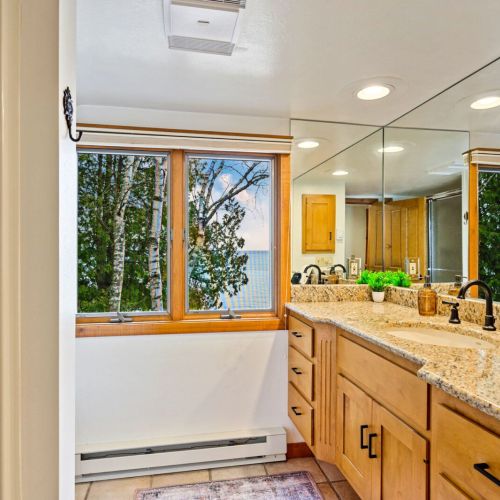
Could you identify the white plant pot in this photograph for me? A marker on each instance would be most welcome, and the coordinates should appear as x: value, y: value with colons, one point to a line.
x: 378, y: 296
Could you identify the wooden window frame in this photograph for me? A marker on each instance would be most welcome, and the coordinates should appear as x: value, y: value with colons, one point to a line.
x: 178, y: 320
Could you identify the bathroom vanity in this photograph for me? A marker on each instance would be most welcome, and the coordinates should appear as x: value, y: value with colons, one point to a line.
x: 399, y: 417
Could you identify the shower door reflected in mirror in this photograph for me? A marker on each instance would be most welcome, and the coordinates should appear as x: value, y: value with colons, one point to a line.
x: 445, y: 236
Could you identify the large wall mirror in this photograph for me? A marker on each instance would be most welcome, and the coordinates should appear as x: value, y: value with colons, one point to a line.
x: 336, y: 197
x: 421, y: 194
x: 444, y: 158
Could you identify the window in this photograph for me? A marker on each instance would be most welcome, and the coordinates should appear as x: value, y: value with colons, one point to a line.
x: 230, y: 246
x: 175, y: 239
x: 122, y: 232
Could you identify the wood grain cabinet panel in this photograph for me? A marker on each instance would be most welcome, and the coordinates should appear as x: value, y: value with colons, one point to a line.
x: 354, y: 416
x: 318, y: 223
x: 401, y: 463
x: 446, y: 490
x: 301, y: 414
x: 301, y: 373
x: 311, y: 374
x: 301, y: 336
x: 398, y: 389
x: 460, y: 446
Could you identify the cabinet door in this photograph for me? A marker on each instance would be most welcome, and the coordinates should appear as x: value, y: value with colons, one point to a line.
x: 318, y: 223
x: 354, y: 415
x: 401, y: 466
x: 374, y: 244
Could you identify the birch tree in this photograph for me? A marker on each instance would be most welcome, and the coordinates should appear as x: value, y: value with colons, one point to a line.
x: 154, y: 260
x: 127, y: 170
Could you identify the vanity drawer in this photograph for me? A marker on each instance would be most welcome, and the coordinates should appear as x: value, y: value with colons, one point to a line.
x: 446, y: 490
x: 398, y: 389
x: 301, y: 336
x: 300, y: 372
x: 301, y: 413
x: 461, y: 444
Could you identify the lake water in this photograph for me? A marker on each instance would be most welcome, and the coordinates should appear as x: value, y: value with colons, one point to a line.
x: 257, y: 293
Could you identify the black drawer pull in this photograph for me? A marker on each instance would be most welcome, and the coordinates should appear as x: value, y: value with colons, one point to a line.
x: 294, y: 409
x: 296, y: 371
x: 297, y: 334
x: 481, y: 468
x: 370, y: 443
x: 362, y: 445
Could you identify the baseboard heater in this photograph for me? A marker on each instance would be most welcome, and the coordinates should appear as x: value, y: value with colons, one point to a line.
x: 95, y: 462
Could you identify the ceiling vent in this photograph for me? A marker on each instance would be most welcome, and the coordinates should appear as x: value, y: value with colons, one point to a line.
x: 209, y: 26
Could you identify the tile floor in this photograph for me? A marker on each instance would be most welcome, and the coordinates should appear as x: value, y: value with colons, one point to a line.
x: 331, y: 482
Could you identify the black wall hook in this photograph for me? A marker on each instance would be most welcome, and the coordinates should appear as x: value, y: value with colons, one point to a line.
x: 68, y: 114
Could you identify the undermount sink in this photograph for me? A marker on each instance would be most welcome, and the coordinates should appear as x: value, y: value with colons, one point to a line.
x: 433, y: 336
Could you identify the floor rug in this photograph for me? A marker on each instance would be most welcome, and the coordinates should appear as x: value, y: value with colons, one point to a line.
x: 289, y: 486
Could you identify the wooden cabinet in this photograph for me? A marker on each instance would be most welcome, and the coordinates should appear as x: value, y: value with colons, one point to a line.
x: 354, y: 415
x: 311, y: 388
x: 364, y: 409
x: 380, y: 455
x: 403, y: 224
x: 318, y: 223
x: 400, y: 467
x: 466, y: 453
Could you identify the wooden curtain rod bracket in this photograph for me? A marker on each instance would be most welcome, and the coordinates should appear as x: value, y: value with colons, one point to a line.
x: 68, y: 114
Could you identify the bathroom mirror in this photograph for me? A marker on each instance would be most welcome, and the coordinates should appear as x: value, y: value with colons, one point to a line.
x: 336, y: 196
x: 443, y: 161
x: 424, y: 179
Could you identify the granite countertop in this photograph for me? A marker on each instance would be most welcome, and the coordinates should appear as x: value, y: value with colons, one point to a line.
x: 469, y: 374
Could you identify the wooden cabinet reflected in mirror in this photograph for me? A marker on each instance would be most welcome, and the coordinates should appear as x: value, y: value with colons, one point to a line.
x: 318, y: 223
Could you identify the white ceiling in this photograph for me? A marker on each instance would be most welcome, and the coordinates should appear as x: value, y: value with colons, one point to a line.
x: 451, y: 109
x: 296, y: 58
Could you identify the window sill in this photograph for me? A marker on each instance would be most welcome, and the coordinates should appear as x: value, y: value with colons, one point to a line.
x: 178, y: 327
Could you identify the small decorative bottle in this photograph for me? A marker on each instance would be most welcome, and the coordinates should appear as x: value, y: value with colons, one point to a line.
x: 427, y: 299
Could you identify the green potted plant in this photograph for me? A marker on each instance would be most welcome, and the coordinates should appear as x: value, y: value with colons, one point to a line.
x: 378, y: 282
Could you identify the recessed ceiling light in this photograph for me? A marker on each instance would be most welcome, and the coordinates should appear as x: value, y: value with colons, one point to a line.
x: 491, y: 101
x: 373, y: 92
x: 308, y: 144
x: 340, y: 172
x: 391, y: 149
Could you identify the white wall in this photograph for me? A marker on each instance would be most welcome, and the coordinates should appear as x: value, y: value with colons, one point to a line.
x: 141, y: 387
x: 38, y: 252
x: 301, y: 186
x: 355, y: 234
x: 484, y: 140
x: 112, y: 115
x: 153, y: 386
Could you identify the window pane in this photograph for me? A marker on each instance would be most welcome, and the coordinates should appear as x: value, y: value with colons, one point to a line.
x: 230, y: 248
x: 489, y: 229
x: 122, y: 232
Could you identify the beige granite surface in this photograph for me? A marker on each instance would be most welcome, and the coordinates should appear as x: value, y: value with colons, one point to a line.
x: 472, y: 374
x: 470, y: 310
x: 329, y: 293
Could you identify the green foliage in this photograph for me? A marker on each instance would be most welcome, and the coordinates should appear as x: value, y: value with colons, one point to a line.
x: 99, y: 177
x: 378, y: 281
x: 363, y: 278
x: 489, y: 230
x: 399, y: 278
x: 216, y: 265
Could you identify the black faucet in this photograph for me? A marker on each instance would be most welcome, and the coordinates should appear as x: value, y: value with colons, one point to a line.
x: 489, y: 319
x: 332, y: 269
x: 320, y: 273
